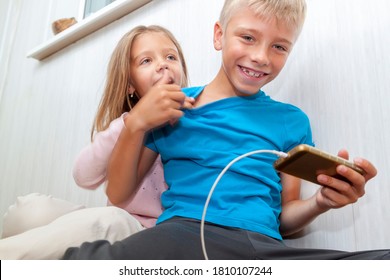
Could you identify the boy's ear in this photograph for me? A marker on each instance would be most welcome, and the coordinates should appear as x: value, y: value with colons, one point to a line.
x: 218, y: 32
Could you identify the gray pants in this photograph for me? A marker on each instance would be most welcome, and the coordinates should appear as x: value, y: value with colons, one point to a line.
x: 179, y: 239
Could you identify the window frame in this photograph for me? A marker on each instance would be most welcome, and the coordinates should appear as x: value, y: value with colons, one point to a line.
x: 84, y: 27
x: 85, y: 6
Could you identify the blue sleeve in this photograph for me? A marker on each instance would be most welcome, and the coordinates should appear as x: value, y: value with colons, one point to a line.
x: 297, y: 130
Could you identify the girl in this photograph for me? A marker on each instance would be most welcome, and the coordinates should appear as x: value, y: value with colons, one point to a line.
x: 160, y: 54
x: 56, y: 224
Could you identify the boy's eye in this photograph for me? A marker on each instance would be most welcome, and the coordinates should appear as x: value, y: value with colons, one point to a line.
x: 280, y: 48
x: 248, y: 38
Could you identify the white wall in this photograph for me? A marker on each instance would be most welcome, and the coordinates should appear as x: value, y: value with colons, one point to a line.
x: 337, y: 73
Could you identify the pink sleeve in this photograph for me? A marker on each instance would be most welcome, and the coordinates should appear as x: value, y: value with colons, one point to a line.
x: 145, y: 205
x: 89, y: 169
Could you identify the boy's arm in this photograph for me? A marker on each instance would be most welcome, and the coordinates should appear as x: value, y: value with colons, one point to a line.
x: 296, y: 213
x: 334, y: 193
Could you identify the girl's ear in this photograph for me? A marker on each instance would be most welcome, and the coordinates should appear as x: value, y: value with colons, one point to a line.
x: 218, y: 32
x: 130, y: 89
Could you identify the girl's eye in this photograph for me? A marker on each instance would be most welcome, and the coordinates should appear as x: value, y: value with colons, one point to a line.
x: 171, y: 57
x: 145, y: 61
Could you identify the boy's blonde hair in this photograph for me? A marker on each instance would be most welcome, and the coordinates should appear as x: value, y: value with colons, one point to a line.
x: 115, y: 100
x: 292, y: 12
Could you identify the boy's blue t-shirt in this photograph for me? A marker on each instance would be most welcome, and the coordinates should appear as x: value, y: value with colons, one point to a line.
x: 198, y: 147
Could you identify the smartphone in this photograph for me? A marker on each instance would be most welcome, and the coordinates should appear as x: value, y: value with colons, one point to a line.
x: 307, y: 162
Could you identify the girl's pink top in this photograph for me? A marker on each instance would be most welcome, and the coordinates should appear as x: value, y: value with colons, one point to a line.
x: 89, y: 171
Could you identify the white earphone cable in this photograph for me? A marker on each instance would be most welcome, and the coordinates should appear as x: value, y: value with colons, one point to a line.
x: 278, y: 153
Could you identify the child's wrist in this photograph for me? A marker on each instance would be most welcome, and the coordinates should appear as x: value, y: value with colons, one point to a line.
x: 133, y: 124
x: 319, y: 207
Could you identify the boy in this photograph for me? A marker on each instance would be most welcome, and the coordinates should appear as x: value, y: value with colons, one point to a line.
x: 231, y: 116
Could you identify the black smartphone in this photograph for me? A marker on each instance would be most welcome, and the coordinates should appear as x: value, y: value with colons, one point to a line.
x: 307, y: 162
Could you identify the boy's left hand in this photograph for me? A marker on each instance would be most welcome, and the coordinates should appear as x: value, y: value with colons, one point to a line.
x: 336, y: 193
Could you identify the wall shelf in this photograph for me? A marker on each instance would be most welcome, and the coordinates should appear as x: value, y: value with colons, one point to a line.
x: 103, y: 17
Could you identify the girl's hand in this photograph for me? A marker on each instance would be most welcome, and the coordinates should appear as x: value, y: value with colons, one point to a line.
x: 336, y: 193
x: 162, y: 104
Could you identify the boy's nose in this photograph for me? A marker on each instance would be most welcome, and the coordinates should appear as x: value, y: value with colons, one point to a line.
x: 260, y: 56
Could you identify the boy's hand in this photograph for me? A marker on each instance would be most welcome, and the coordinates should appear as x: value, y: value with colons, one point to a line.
x: 336, y: 193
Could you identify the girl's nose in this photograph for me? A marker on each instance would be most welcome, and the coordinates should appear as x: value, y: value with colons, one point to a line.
x: 162, y: 65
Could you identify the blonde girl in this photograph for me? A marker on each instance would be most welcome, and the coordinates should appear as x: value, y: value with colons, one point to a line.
x: 42, y: 227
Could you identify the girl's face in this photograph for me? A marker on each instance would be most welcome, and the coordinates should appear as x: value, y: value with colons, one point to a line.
x: 154, y: 60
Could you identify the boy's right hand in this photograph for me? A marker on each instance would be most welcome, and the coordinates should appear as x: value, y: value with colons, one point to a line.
x: 337, y: 193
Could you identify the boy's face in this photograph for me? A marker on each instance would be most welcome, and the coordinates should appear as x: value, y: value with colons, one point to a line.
x: 154, y: 60
x: 254, y: 49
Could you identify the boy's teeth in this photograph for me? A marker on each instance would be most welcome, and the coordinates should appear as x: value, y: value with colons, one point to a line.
x: 252, y: 73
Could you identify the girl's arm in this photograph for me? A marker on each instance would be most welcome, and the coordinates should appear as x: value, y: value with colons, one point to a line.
x: 90, y: 167
x: 334, y: 193
x: 130, y: 160
x: 129, y: 163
